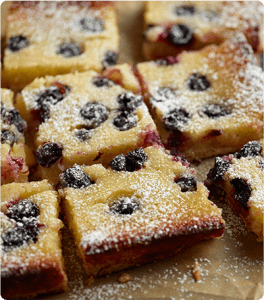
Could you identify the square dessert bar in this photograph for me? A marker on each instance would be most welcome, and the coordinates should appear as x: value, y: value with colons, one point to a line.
x: 207, y: 102
x: 241, y: 177
x: 83, y: 118
x: 32, y: 261
x: 147, y: 206
x: 13, y: 157
x: 59, y: 37
x: 174, y: 26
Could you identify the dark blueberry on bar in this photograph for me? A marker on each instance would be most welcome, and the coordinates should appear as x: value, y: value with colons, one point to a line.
x: 84, y: 134
x: 92, y: 24
x: 50, y: 96
x: 13, y: 117
x: 261, y: 61
x: 125, y: 120
x: 75, y: 177
x: 242, y: 190
x: 3, y: 113
x: 135, y: 159
x: 95, y: 113
x: 163, y: 94
x: 129, y: 101
x: 109, y: 59
x: 187, y: 183
x: 119, y: 163
x: 69, y: 50
x: 184, y: 10
x: 101, y: 81
x: 49, y: 153
x: 167, y: 61
x: 126, y: 206
x: 17, y: 42
x: 198, y: 82
x: 8, y: 137
x: 219, y: 169
x: 180, y: 35
x: 18, y: 236
x: 214, y: 111
x: 176, y: 119
x: 251, y: 149
x: 24, y: 209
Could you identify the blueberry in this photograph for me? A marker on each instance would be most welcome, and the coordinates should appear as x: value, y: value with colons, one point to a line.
x: 69, y: 50
x: 13, y: 117
x: 19, y: 236
x: 92, y: 24
x: 167, y: 61
x: 24, y: 209
x: 187, y: 183
x: 3, y: 113
x: 261, y: 60
x: 129, y: 101
x: 95, y: 113
x: 198, y: 82
x: 242, y: 190
x: 219, y: 169
x: 50, y: 96
x: 84, y: 134
x: 119, y: 163
x: 251, y: 149
x: 125, y: 120
x: 109, y: 59
x: 125, y: 206
x: 49, y: 153
x: 101, y: 81
x: 135, y: 159
x: 8, y: 137
x: 185, y: 10
x: 214, y: 111
x: 180, y: 35
x: 17, y: 42
x: 176, y: 119
x: 75, y: 177
x: 163, y: 94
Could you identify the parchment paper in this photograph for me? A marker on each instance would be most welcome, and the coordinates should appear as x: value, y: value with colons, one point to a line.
x: 231, y: 267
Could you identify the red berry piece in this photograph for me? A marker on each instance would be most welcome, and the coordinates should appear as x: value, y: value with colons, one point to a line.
x: 94, y: 113
x: 242, y: 191
x: 69, y: 50
x: 187, y: 183
x: 17, y: 43
x: 214, y: 111
x: 180, y: 35
x: 251, y: 149
x: 176, y: 119
x: 197, y: 82
x: 48, y: 154
x: 125, y: 206
x: 75, y: 177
